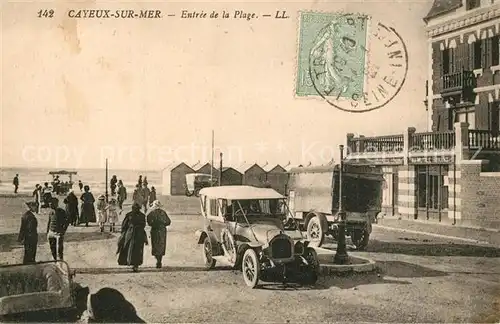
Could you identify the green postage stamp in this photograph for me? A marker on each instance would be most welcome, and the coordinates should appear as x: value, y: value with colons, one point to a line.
x: 352, y: 62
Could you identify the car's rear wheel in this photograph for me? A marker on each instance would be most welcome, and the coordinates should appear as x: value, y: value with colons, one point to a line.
x: 208, y: 258
x: 313, y: 266
x: 250, y: 268
x: 315, y: 232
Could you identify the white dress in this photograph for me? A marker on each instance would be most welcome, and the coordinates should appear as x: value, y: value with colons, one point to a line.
x: 101, y: 212
x: 112, y: 213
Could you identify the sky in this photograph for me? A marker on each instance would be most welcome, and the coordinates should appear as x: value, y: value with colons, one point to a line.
x: 148, y: 93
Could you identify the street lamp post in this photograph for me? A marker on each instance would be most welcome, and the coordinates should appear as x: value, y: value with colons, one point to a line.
x: 106, y: 180
x: 341, y: 256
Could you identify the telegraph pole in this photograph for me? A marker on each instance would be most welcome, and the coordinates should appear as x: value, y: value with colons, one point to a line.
x: 212, y: 164
x: 220, y: 170
x: 106, y: 180
x: 341, y: 256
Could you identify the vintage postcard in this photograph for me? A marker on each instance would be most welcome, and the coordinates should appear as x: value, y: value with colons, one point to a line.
x: 250, y: 161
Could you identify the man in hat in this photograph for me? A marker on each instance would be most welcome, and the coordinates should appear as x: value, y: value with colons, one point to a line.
x: 122, y: 194
x: 56, y: 228
x: 158, y: 220
x: 28, y: 234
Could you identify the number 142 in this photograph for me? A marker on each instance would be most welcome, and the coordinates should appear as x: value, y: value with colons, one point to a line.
x: 45, y: 13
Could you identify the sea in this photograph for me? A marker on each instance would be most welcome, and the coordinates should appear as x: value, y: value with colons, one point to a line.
x: 95, y: 178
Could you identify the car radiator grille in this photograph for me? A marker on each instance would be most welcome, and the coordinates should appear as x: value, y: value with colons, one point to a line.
x: 281, y: 248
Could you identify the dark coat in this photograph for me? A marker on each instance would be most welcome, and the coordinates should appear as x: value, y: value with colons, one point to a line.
x: 122, y: 193
x: 132, y: 239
x: 158, y: 220
x: 71, y: 202
x: 152, y: 196
x: 29, y: 228
x: 88, y: 210
x: 58, y: 221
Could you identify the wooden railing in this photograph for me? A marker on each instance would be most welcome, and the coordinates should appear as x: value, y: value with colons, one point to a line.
x: 389, y: 143
x: 458, y: 81
x: 432, y: 141
x: 483, y: 139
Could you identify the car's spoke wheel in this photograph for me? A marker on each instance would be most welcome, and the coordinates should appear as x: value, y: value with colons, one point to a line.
x: 208, y: 258
x: 251, y: 268
x: 229, y: 247
x: 360, y: 239
x: 315, y: 231
x: 313, y: 266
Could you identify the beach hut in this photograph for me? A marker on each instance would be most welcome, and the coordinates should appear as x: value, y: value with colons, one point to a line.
x: 231, y: 177
x: 206, y: 169
x: 253, y: 174
x: 165, y: 179
x: 178, y: 179
x: 277, y: 178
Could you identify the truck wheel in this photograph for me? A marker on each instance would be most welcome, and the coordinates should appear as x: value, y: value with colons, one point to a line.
x: 315, y: 232
x: 208, y: 258
x: 251, y: 268
x: 360, y: 239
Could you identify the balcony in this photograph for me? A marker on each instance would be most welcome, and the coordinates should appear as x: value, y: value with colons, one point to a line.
x: 422, y: 148
x: 459, y: 84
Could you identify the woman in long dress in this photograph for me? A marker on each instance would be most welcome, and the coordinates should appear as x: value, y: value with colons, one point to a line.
x: 132, y: 239
x: 71, y: 202
x: 158, y: 220
x: 88, y: 212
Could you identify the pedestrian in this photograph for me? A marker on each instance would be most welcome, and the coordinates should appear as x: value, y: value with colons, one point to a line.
x: 15, y: 182
x: 87, y: 213
x: 132, y: 239
x: 145, y: 197
x: 37, y: 198
x: 122, y: 194
x: 112, y: 185
x: 56, y: 228
x: 46, y: 195
x: 139, y: 182
x: 137, y: 195
x: 145, y: 181
x: 28, y: 233
x: 71, y: 202
x: 152, y: 195
x: 158, y: 220
x: 102, y: 213
x: 80, y: 185
x: 112, y: 214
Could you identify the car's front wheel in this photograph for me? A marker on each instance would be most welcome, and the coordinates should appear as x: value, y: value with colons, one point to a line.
x: 250, y: 268
x: 208, y: 258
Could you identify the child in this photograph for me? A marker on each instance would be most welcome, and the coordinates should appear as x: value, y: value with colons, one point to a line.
x: 112, y: 214
x: 101, y: 211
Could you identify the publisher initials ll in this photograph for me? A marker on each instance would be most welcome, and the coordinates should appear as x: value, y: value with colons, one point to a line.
x: 281, y: 15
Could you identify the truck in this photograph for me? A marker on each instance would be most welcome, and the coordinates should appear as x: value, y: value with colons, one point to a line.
x: 313, y: 200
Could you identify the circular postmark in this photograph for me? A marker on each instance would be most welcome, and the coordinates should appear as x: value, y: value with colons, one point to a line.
x: 357, y: 64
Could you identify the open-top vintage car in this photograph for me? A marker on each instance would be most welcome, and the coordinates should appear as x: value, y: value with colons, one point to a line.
x: 37, y: 290
x: 245, y: 226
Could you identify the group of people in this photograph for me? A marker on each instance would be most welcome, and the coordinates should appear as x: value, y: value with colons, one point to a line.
x: 133, y: 235
x: 143, y: 196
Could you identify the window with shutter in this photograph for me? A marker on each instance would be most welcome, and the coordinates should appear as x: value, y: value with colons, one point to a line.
x: 477, y: 54
x: 484, y: 53
x: 495, y: 118
x: 446, y: 61
x: 495, y: 50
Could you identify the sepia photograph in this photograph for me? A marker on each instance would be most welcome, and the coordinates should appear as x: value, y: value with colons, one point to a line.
x: 250, y: 161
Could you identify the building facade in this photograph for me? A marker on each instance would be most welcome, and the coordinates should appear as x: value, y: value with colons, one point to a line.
x: 451, y: 173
